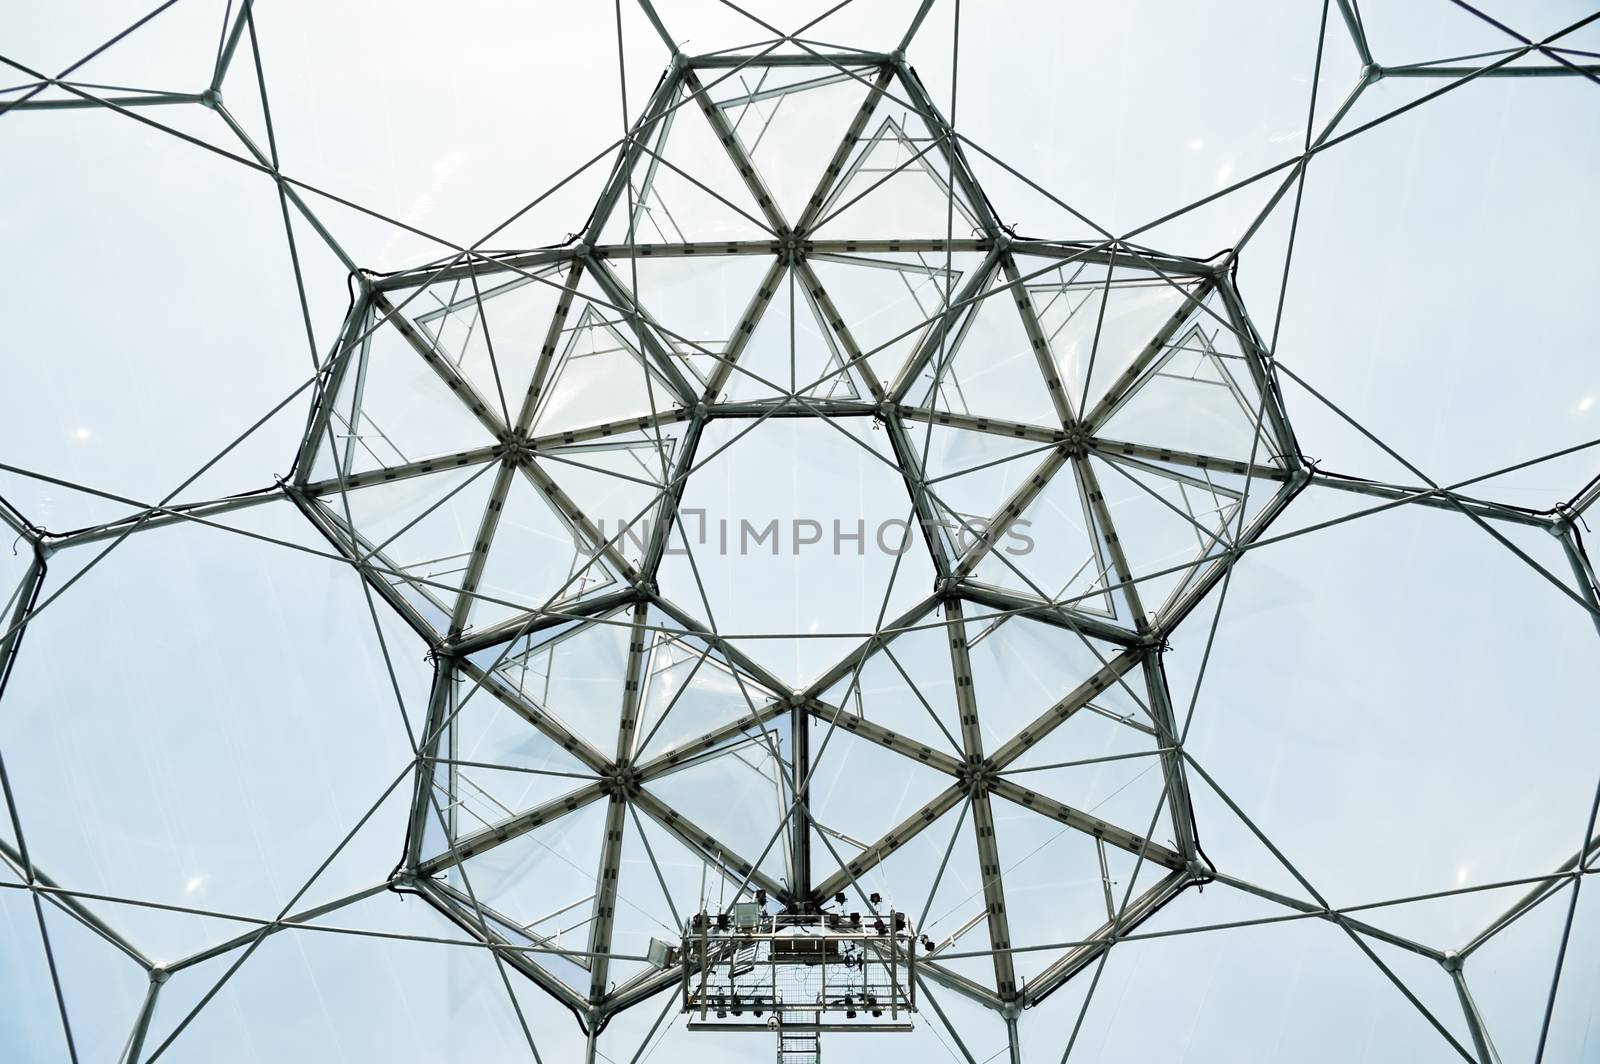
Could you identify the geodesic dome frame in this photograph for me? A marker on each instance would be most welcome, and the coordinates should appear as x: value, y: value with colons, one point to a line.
x: 480, y: 418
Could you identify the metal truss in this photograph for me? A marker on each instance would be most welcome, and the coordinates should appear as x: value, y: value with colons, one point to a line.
x: 558, y: 380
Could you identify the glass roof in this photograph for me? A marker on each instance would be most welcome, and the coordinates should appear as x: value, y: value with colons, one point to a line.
x: 490, y: 492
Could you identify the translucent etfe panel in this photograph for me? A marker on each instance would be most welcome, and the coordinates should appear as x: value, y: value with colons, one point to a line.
x: 738, y: 795
x: 685, y: 186
x: 538, y: 555
x: 790, y: 121
x: 661, y: 884
x: 1302, y: 990
x: 1057, y: 891
x: 690, y: 692
x: 395, y: 403
x: 948, y: 907
x: 1511, y: 974
x: 1408, y: 365
x: 907, y: 688
x: 790, y: 350
x: 491, y: 327
x: 364, y: 997
x: 602, y: 372
x: 988, y: 368
x: 101, y: 987
x: 1198, y: 395
x: 896, y: 183
x: 889, y: 302
x: 1172, y: 521
x: 969, y: 474
x: 697, y: 301
x: 1365, y: 680
x: 1104, y: 759
x: 203, y: 765
x: 543, y: 884
x: 860, y: 790
x: 497, y: 763
x: 1125, y: 166
x: 1022, y: 668
x: 574, y: 675
x: 419, y: 532
x: 1052, y: 551
x: 433, y: 154
x: 798, y: 534
x: 1099, y: 319
x: 206, y: 329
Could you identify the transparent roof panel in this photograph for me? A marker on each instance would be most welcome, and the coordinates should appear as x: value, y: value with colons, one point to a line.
x: 685, y: 529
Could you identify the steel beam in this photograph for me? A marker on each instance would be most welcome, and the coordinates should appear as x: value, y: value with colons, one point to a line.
x: 742, y: 162
x: 605, y: 547
x: 1042, y: 353
x: 463, y: 390
x: 830, y: 175
x: 1481, y: 1044
x: 1289, y: 902
x: 479, y: 558
x: 355, y: 547
x: 1006, y: 516
x: 834, y: 320
x: 441, y: 700
x: 950, y: 148
x: 1266, y: 382
x: 1066, y: 707
x: 548, y: 726
x: 1096, y: 500
x: 390, y: 474
x: 589, y: 606
x: 1006, y: 787
x: 1586, y: 70
x: 1179, y: 809
x: 873, y: 732
x: 716, y: 60
x: 644, y: 330
x: 488, y: 838
x: 880, y: 850
x: 933, y: 341
x: 353, y: 336
x: 710, y: 848
x: 605, y: 898
x: 1076, y: 960
x: 1192, y: 300
x: 660, y: 107
x: 1437, y: 498
x: 742, y: 331
x: 456, y: 910
x: 978, y: 783
x: 1119, y: 449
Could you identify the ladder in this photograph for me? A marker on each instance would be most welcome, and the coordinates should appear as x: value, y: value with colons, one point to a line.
x: 799, y: 1046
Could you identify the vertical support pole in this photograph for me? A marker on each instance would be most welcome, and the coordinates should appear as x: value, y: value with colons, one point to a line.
x: 800, y: 786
